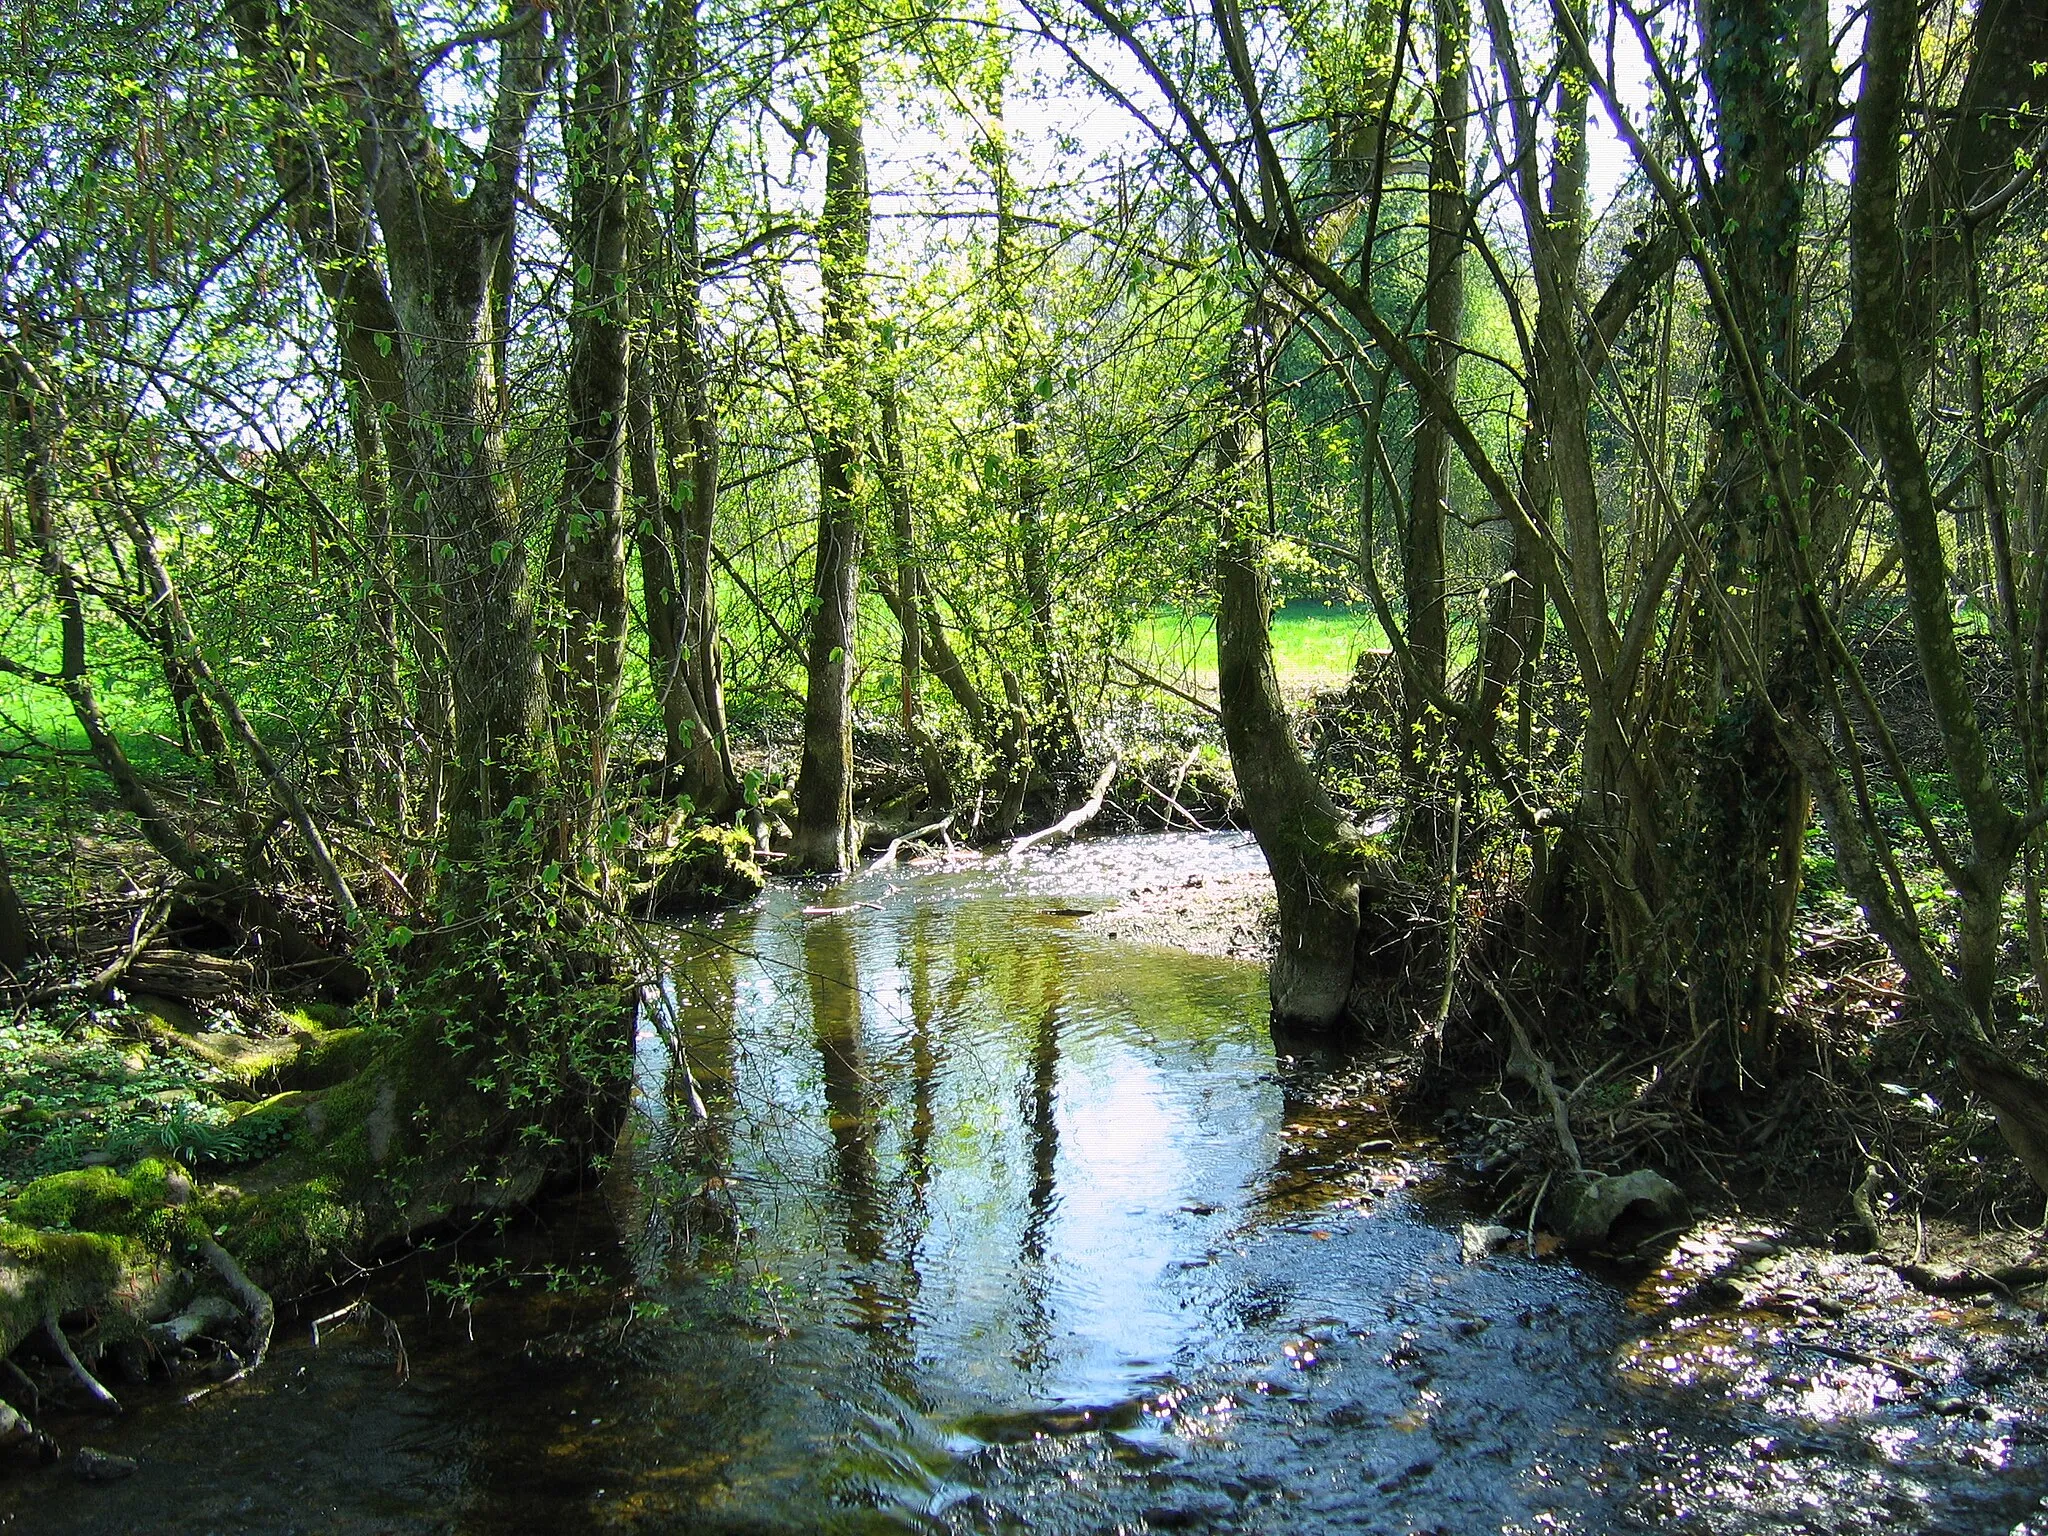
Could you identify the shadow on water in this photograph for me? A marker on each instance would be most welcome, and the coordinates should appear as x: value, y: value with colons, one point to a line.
x: 943, y: 1213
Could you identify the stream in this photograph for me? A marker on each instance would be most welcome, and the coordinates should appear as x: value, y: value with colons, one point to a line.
x: 1038, y: 1233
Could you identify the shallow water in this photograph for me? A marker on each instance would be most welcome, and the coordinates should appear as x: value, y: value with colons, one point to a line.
x: 996, y: 1224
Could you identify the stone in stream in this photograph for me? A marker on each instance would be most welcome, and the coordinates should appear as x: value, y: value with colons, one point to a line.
x: 16, y: 1433
x: 96, y: 1466
x: 1475, y: 1241
x: 1588, y: 1210
x: 1190, y: 1512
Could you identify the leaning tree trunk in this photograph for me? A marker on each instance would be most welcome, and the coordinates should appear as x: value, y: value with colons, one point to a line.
x: 1311, y: 852
x: 1961, y: 1002
x: 825, y: 833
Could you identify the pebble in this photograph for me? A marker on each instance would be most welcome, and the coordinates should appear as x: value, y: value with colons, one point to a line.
x: 96, y: 1466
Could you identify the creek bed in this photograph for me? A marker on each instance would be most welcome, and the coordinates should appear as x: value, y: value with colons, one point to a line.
x: 1038, y: 1233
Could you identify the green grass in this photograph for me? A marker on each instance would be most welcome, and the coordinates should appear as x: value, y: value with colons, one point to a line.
x: 1315, y: 645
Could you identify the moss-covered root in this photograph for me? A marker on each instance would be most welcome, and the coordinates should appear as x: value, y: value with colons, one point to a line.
x: 101, y: 1241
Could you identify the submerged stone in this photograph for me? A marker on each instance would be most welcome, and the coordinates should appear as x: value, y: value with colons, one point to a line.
x: 96, y: 1466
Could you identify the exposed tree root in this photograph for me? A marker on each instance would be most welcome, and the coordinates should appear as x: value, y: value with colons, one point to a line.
x: 35, y: 1396
x: 262, y: 1310
x: 86, y: 1378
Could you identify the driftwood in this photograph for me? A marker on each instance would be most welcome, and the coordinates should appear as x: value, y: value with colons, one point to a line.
x: 1075, y: 819
x: 1969, y: 1282
x: 887, y: 856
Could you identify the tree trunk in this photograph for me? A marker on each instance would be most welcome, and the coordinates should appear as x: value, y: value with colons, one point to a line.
x: 938, y: 782
x: 825, y: 833
x: 938, y: 653
x: 1747, y: 795
x: 1429, y: 488
x: 1056, y: 735
x: 1877, y: 284
x: 426, y: 332
x: 690, y: 760
x: 1309, y: 849
x: 702, y: 759
x: 17, y: 941
x: 590, y: 536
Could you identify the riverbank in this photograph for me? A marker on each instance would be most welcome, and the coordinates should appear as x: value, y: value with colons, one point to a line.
x: 939, y: 1210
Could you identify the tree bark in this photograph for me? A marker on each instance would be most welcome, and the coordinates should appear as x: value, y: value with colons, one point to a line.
x: 1429, y: 483
x: 426, y: 332
x: 17, y: 939
x: 824, y: 831
x: 590, y: 537
x: 1877, y: 290
x: 909, y: 604
x: 1310, y: 850
x: 701, y: 758
x: 1056, y: 734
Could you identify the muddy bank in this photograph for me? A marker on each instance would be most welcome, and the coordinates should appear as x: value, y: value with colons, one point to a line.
x: 1228, y: 914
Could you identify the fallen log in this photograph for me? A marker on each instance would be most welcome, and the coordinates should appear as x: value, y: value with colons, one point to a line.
x: 1074, y: 820
x: 188, y: 974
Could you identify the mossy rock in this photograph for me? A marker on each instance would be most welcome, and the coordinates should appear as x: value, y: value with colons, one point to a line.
x: 164, y: 1012
x: 318, y: 1049
x: 328, y: 1057
x: 241, y: 1058
x: 268, y: 1127
x: 319, y: 1017
x: 135, y: 1204
x: 57, y: 1272
x: 708, y: 867
x: 109, y: 1250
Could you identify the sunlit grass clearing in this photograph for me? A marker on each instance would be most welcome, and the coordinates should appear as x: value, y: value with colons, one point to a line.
x: 1315, y: 645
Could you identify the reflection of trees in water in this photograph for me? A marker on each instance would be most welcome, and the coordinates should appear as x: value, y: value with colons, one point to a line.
x: 919, y: 942
x: 680, y: 1182
x: 832, y: 972
x: 1042, y: 1137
